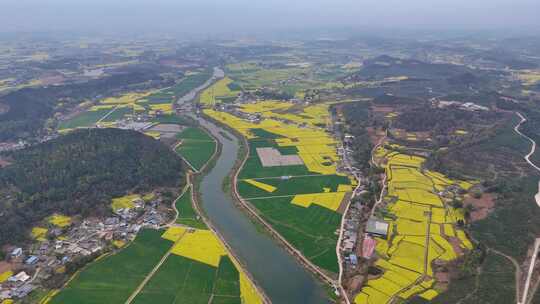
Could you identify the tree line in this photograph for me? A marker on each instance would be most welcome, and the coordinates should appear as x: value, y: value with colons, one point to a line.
x: 78, y: 174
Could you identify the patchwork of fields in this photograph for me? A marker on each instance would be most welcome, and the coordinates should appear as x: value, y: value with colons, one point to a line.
x: 197, y: 268
x: 294, y: 79
x: 223, y: 90
x: 423, y: 230
x: 112, y: 279
x: 112, y: 109
x: 300, y: 199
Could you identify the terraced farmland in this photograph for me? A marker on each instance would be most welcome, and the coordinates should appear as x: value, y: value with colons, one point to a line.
x: 196, y: 147
x: 290, y: 175
x: 423, y: 230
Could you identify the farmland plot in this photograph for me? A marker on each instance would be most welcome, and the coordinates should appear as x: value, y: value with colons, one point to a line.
x: 196, y: 147
x: 422, y: 227
x: 112, y: 279
x: 297, y: 189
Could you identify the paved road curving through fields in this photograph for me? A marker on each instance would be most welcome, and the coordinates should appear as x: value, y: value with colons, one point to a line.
x: 525, y: 295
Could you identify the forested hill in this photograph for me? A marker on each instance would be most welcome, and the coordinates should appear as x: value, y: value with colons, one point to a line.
x: 78, y: 174
x: 29, y: 108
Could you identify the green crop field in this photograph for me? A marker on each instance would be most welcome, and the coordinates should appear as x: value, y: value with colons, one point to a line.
x: 255, y: 76
x: 197, y: 153
x: 266, y: 143
x: 84, y: 120
x: 181, y: 280
x: 170, y: 119
x: 114, y: 278
x: 197, y: 147
x: 118, y: 114
x: 254, y: 169
x: 191, y: 82
x: 264, y: 134
x: 163, y: 96
x: 293, y: 185
x: 311, y: 230
x: 187, y: 215
x: 196, y: 134
x: 228, y: 279
x: 187, y: 84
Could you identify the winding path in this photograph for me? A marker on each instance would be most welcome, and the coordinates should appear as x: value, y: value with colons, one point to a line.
x: 524, y: 297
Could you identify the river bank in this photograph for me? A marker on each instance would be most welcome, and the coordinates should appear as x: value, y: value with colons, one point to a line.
x: 277, y: 271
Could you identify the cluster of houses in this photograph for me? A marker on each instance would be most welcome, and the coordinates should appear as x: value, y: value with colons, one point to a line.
x: 466, y: 106
x: 346, y: 154
x: 20, y: 284
x: 90, y: 237
x: 12, y: 146
x: 353, y: 235
x: 350, y: 235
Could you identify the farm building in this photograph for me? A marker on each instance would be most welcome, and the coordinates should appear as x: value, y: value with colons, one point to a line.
x: 20, y: 277
x: 377, y: 227
x: 31, y: 260
x: 17, y: 252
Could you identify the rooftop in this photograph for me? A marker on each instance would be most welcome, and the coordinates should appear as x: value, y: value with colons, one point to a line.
x: 376, y: 226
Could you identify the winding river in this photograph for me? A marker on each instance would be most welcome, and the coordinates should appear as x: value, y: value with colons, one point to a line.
x: 279, y: 274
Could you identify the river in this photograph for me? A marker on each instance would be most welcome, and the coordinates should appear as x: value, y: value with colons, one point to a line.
x: 278, y: 273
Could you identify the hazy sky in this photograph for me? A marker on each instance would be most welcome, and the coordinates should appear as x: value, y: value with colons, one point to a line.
x: 251, y: 15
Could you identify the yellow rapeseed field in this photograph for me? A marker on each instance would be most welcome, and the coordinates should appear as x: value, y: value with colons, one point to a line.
x: 205, y: 247
x: 200, y: 245
x: 59, y: 220
x: 128, y: 98
x: 149, y: 196
x: 154, y: 134
x: 220, y: 89
x: 264, y: 106
x: 119, y: 243
x: 260, y: 185
x: 39, y: 233
x: 248, y: 293
x: 102, y: 107
x: 164, y: 107
x: 330, y: 200
x: 418, y: 209
x: 315, y: 146
x: 5, y: 275
x: 429, y: 294
x: 125, y: 202
x: 174, y: 233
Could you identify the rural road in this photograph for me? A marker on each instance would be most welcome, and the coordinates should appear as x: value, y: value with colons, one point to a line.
x: 154, y: 270
x: 537, y: 199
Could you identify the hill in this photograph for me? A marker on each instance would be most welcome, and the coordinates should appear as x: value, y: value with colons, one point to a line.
x: 78, y: 174
x: 26, y: 110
